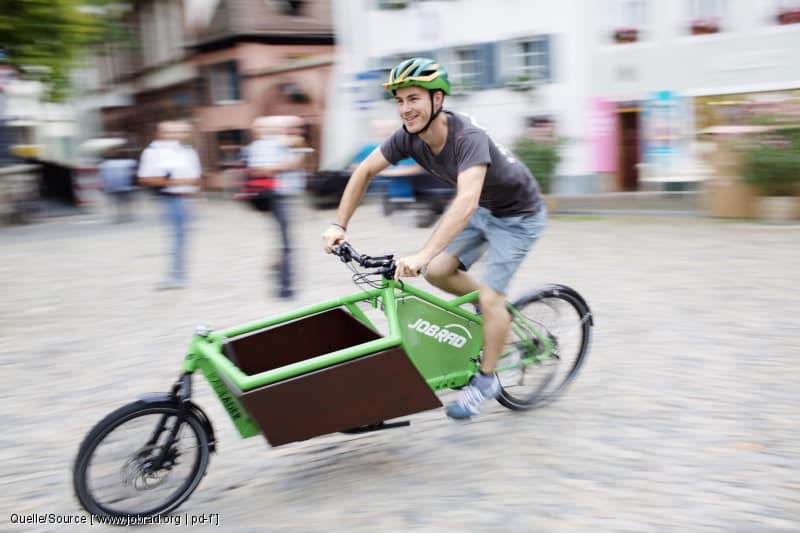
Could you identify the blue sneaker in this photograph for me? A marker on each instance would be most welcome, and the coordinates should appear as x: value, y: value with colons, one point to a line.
x: 471, y: 397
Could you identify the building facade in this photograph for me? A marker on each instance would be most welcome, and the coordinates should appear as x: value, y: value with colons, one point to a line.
x: 626, y: 84
x: 665, y: 71
x: 218, y: 64
x: 516, y: 66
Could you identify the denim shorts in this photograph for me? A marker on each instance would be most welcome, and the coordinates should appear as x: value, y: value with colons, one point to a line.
x: 507, y: 239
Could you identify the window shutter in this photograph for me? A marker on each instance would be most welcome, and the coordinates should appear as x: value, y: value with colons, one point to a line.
x: 488, y: 65
x: 547, y: 74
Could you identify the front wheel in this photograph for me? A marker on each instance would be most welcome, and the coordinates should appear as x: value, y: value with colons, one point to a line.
x: 144, y: 459
x: 550, y: 333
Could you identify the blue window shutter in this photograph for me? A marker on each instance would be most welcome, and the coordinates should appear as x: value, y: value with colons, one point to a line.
x: 548, y: 49
x: 486, y: 53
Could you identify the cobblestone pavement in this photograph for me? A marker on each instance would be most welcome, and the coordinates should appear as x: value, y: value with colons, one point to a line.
x: 686, y: 416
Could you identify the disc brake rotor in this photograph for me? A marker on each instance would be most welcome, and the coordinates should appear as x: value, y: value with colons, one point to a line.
x: 138, y: 471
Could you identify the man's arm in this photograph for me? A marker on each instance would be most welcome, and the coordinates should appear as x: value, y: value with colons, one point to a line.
x: 356, y: 185
x: 468, y: 193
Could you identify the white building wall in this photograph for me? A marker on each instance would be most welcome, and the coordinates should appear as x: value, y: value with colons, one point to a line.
x: 365, y: 34
x: 751, y: 53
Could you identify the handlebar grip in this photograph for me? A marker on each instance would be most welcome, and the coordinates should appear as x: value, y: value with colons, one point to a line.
x: 374, y: 262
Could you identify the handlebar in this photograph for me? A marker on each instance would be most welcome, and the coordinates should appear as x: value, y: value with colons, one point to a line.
x: 385, y: 263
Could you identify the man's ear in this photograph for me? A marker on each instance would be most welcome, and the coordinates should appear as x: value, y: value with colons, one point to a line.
x: 438, y: 98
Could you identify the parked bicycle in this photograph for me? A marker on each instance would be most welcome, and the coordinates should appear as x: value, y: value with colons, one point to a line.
x: 324, y: 369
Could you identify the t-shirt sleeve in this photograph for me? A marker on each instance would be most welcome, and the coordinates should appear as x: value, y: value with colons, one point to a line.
x: 395, y: 147
x: 149, y: 166
x: 473, y: 149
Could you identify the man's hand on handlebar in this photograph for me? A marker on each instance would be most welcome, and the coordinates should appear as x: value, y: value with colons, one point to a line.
x: 333, y: 236
x: 411, y: 266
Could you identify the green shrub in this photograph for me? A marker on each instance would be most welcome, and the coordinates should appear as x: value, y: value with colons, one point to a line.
x: 772, y: 164
x: 540, y: 158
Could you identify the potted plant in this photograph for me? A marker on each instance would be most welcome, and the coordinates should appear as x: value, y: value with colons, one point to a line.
x: 771, y: 164
x: 541, y: 158
x: 626, y: 35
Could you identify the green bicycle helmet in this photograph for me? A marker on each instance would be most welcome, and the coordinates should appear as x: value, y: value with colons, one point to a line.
x: 418, y: 72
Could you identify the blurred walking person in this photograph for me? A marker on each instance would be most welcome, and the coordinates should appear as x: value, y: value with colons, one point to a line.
x: 118, y: 177
x: 173, y: 168
x: 270, y: 156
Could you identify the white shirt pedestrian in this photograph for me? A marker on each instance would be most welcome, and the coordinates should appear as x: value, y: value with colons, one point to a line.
x: 171, y: 159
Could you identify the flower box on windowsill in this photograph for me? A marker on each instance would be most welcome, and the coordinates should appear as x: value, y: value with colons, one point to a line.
x: 626, y: 35
x: 789, y: 16
x: 521, y: 84
x: 704, y: 27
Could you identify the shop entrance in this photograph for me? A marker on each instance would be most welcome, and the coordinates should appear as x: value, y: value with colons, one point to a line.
x: 629, y: 149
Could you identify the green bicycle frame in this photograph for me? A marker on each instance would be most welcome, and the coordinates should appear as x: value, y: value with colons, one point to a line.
x: 441, y: 339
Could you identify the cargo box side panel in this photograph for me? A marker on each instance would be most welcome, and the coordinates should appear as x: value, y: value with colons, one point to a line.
x: 355, y: 393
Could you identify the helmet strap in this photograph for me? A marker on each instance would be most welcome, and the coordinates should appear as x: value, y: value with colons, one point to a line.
x: 434, y: 114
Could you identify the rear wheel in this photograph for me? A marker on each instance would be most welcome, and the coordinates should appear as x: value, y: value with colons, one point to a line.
x: 143, y: 459
x: 549, y: 338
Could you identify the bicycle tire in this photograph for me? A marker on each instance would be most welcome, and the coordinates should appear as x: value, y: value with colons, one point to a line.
x: 550, y: 303
x: 135, y: 460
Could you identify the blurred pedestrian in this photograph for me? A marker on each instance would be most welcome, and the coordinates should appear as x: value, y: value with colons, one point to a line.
x: 117, y: 174
x: 173, y: 168
x: 269, y: 157
x: 292, y: 181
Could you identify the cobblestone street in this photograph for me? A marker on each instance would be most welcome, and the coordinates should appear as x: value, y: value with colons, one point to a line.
x: 685, y: 417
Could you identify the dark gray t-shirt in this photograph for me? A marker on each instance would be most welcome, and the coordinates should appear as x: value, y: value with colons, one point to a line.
x: 508, y: 189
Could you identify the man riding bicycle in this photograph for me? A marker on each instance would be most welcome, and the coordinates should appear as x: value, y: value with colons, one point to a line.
x: 498, y: 206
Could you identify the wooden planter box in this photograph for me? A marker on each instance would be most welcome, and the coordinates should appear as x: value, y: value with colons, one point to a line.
x: 778, y: 209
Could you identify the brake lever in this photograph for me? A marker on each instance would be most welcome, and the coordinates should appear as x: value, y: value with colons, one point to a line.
x: 343, y: 251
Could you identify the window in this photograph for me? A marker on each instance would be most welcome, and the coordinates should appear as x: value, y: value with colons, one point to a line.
x: 293, y: 8
x: 465, y: 72
x: 705, y: 16
x: 230, y: 144
x: 223, y: 82
x: 530, y: 60
x: 788, y: 11
x: 628, y: 20
x: 147, y: 37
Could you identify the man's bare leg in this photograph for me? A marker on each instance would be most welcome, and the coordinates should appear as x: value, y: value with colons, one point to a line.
x: 496, y: 325
x: 443, y: 273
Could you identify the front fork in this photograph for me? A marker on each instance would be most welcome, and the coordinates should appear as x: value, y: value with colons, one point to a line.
x: 180, y: 393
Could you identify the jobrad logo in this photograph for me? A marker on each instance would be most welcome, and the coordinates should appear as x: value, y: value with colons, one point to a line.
x: 443, y: 334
